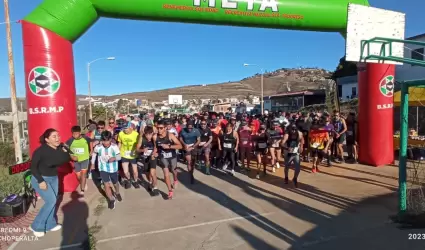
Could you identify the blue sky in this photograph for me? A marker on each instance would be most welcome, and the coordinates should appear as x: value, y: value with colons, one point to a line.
x: 157, y: 55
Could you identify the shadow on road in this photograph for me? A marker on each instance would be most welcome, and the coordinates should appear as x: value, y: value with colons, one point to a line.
x: 294, y: 208
x: 252, y: 240
x: 74, y: 228
x: 356, y: 217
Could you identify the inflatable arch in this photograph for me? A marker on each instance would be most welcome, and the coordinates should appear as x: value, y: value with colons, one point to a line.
x: 50, y: 30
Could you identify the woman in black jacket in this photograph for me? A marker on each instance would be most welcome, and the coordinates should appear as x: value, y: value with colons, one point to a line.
x: 44, y: 163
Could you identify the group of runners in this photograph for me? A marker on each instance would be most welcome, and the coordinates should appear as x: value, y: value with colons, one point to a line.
x: 124, y: 153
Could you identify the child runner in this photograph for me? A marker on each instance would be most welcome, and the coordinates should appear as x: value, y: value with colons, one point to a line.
x: 80, y: 147
x: 108, y: 155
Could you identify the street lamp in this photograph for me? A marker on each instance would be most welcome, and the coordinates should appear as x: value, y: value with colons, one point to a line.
x: 262, y: 85
x: 88, y: 81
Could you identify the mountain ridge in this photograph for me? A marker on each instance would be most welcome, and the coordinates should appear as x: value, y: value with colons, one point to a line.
x: 282, y: 80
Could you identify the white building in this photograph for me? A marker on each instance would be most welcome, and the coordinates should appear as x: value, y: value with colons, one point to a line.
x: 410, y: 72
x: 348, y: 86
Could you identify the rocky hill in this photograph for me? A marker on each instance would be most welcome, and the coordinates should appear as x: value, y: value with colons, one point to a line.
x: 279, y: 81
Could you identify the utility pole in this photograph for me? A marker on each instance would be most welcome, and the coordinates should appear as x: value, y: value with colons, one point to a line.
x: 2, y: 132
x: 262, y: 92
x: 23, y: 121
x: 89, y: 90
x: 15, y: 114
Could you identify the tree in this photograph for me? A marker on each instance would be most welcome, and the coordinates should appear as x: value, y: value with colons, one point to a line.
x: 331, y: 100
x: 344, y: 68
x: 250, y: 98
x: 100, y: 113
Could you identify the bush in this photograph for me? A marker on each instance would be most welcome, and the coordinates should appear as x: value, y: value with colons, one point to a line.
x: 7, y: 155
x: 10, y: 184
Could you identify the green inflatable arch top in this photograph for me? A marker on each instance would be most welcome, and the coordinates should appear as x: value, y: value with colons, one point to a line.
x: 71, y: 18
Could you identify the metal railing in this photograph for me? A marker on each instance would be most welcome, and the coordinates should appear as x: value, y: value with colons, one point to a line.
x: 387, y: 46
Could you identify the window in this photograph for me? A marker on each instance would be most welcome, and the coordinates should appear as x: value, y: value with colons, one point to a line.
x: 353, y: 92
x: 340, y: 90
x: 418, y: 54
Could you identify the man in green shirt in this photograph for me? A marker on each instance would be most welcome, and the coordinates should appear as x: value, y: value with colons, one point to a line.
x: 80, y: 147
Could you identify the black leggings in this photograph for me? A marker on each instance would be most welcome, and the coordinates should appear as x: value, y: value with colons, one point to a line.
x: 231, y: 155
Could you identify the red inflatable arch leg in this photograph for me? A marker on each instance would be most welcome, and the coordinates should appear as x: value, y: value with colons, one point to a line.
x: 376, y: 88
x: 50, y: 90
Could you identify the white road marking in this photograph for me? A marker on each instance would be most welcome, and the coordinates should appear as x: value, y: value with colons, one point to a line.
x: 251, y: 216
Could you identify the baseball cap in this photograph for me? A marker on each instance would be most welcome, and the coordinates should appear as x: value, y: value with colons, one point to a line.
x: 130, y: 125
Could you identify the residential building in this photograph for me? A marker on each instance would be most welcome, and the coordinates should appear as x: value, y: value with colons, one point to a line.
x: 410, y: 72
x: 221, y: 107
x: 293, y: 101
x: 347, y: 87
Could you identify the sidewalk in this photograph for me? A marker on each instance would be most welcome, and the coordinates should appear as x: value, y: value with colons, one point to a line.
x: 343, y: 207
x: 19, y: 227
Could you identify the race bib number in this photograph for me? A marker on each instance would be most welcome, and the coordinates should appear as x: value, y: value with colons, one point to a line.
x: 349, y: 132
x: 202, y: 143
x: 293, y: 150
x: 127, y: 153
x: 189, y: 145
x: 78, y: 151
x: 147, y: 153
x: 167, y: 155
x: 275, y: 144
x: 315, y: 145
x: 227, y: 145
x: 262, y: 145
x: 244, y: 142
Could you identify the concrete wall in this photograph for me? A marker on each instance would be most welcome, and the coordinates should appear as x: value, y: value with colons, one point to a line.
x: 7, y: 117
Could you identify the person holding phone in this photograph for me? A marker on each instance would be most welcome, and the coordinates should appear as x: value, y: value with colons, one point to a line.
x: 46, y: 159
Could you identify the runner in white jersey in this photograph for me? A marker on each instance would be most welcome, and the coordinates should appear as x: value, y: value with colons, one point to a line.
x: 108, y: 155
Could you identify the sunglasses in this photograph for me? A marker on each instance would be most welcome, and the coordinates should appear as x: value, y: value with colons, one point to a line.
x: 100, y: 127
x: 161, y: 128
x: 203, y: 124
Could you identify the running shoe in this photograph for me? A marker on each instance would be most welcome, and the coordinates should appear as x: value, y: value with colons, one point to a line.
x: 207, y: 171
x: 277, y: 165
x: 155, y: 191
x: 136, y: 184
x: 118, y: 196
x: 232, y: 172
x: 225, y: 167
x: 56, y: 228
x: 111, y: 204
x: 258, y: 176
x: 295, y: 181
x: 170, y: 195
x: 313, y: 170
x: 37, y: 234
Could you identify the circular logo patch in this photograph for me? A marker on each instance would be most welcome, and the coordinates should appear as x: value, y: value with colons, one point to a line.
x: 386, y: 86
x: 43, y: 81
